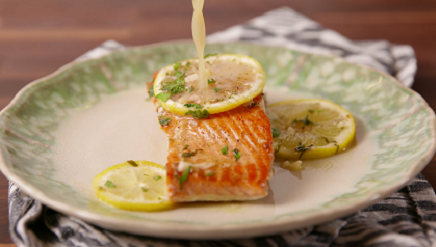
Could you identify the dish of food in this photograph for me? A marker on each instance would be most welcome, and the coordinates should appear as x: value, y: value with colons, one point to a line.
x: 62, y: 130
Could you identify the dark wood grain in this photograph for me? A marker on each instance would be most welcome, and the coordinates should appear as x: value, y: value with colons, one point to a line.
x: 39, y: 36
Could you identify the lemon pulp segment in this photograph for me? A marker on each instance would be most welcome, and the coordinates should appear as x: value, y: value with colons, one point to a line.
x: 138, y: 186
x: 232, y: 81
x: 310, y: 129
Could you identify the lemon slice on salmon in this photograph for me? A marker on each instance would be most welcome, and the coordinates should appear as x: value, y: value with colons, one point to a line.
x: 133, y: 185
x: 310, y: 129
x: 232, y: 81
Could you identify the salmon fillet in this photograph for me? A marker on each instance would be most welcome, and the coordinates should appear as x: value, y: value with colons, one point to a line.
x: 197, y: 144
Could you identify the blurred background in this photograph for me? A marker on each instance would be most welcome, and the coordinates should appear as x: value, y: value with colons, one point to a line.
x: 39, y: 36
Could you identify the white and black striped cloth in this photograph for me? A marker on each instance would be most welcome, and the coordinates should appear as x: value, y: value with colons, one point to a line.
x: 406, y: 218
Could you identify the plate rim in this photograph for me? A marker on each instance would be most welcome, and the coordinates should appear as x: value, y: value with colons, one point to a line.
x: 231, y: 231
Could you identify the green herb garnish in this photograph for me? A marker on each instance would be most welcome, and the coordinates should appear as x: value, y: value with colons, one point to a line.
x: 198, y: 106
x: 177, y: 66
x: 225, y: 150
x: 275, y: 132
x: 109, y: 184
x: 237, y: 153
x: 210, y: 81
x: 301, y: 147
x: 191, y: 89
x: 151, y: 91
x: 198, y: 114
x: 145, y: 189
x: 209, y: 174
x: 174, y: 87
x: 184, y: 176
x: 185, y: 147
x: 216, y: 89
x: 133, y: 163
x: 163, y: 96
x: 165, y: 121
x: 179, y: 74
x: 157, y: 177
x: 187, y: 64
x: 305, y: 121
x: 189, y: 155
x: 209, y: 55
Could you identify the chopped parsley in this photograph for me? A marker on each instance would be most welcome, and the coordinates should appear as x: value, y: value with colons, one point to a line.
x: 302, y: 148
x: 185, y: 147
x: 189, y: 155
x: 209, y: 55
x: 305, y: 121
x: 163, y: 96
x: 210, y: 81
x: 174, y: 87
x: 145, y: 189
x: 191, y: 89
x: 216, y: 89
x: 133, y: 163
x: 165, y: 121
x: 225, y: 150
x: 198, y: 114
x: 275, y: 132
x: 177, y: 66
x: 187, y: 64
x: 198, y: 106
x: 109, y: 184
x: 237, y: 154
x: 151, y: 91
x: 157, y: 177
x: 184, y: 176
x: 209, y: 174
x: 179, y: 74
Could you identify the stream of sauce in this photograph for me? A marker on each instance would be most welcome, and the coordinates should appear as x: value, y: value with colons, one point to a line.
x: 199, y: 35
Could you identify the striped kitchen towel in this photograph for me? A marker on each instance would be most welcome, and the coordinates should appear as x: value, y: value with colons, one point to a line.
x: 406, y: 218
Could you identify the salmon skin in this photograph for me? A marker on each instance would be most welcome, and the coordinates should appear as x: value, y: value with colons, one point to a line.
x: 240, y: 173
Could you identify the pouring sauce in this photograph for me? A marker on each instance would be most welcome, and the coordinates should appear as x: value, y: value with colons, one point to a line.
x: 199, y: 35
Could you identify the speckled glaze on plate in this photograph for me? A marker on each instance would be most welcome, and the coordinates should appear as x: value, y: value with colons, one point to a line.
x: 62, y: 130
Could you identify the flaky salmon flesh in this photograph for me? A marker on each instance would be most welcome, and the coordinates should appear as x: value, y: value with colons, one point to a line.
x: 241, y: 173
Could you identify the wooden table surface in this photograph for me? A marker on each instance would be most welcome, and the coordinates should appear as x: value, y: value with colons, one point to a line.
x: 38, y: 36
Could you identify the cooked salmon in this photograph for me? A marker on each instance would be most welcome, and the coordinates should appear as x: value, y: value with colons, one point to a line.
x: 229, y: 155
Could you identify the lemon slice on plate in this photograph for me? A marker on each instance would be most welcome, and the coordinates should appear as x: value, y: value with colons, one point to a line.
x: 310, y: 129
x: 232, y: 80
x: 133, y: 185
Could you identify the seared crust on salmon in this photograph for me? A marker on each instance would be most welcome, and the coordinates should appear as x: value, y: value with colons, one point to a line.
x: 216, y: 175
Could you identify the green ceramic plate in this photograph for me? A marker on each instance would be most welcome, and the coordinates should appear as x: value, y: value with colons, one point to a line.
x: 62, y: 130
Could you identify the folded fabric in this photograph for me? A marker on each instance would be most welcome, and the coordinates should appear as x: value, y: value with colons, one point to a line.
x: 406, y: 218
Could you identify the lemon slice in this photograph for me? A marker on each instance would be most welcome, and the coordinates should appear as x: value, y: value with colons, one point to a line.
x: 232, y: 81
x: 310, y: 129
x: 133, y: 185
